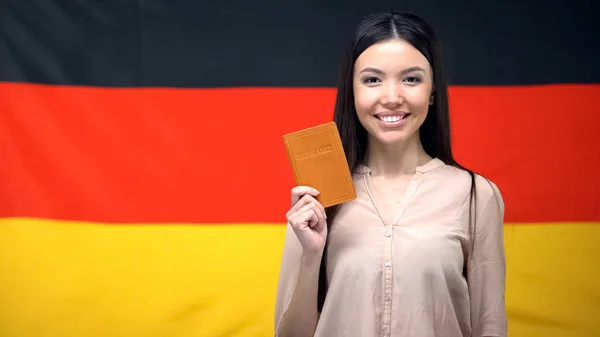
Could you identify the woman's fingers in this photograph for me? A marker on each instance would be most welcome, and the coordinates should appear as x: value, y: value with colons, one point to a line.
x: 299, y: 191
x: 308, y: 215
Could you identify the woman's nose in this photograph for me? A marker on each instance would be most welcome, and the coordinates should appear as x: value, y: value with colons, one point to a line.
x: 391, y: 95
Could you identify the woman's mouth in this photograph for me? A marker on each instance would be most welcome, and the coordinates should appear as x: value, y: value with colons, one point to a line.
x: 393, y: 120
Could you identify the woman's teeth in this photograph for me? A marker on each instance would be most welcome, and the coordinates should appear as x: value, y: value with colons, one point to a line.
x: 391, y: 119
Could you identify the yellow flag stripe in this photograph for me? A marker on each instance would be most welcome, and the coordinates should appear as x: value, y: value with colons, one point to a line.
x: 73, y: 279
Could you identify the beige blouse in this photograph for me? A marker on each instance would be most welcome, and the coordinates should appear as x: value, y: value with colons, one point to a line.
x: 401, y: 274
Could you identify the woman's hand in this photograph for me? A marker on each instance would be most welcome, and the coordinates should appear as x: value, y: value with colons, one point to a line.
x: 307, y: 218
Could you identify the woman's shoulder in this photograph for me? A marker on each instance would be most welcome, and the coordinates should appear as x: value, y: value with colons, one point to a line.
x: 486, y: 189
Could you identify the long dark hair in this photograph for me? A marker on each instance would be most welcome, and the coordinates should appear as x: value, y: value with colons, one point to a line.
x: 435, y: 131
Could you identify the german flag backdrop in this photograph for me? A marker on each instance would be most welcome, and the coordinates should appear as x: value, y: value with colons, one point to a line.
x: 144, y: 182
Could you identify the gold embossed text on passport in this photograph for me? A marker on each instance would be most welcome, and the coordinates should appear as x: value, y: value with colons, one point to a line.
x: 314, y: 152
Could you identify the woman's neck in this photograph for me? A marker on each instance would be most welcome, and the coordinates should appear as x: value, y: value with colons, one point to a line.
x: 391, y: 160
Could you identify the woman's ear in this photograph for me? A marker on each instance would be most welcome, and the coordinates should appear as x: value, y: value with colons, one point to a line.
x: 431, y: 98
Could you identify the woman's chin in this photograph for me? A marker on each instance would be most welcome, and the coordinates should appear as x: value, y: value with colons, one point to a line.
x: 393, y: 137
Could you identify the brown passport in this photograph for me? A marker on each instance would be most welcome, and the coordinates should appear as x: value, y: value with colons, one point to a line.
x: 318, y: 160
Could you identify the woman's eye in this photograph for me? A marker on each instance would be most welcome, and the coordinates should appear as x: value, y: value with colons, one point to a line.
x: 370, y: 80
x: 413, y: 79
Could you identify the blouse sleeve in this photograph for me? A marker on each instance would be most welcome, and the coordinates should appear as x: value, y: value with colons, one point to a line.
x: 288, y: 273
x: 486, y: 267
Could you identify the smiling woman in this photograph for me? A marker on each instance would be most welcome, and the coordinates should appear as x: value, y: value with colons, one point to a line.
x: 423, y: 240
x: 393, y: 82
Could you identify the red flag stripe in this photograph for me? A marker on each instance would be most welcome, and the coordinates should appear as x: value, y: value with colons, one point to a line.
x: 123, y: 155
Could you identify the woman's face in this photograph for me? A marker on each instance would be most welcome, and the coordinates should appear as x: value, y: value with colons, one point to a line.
x: 392, y: 91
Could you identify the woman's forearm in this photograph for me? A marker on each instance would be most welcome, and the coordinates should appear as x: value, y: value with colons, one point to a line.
x: 301, y: 316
